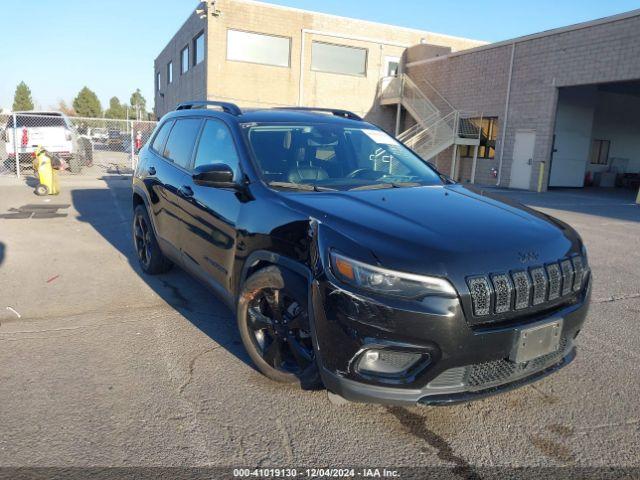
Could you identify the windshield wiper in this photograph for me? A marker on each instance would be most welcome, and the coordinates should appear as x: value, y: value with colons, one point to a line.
x: 302, y: 186
x: 380, y: 186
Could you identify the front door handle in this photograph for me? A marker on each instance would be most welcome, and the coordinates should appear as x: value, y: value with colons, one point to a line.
x: 185, y: 191
x: 151, y: 170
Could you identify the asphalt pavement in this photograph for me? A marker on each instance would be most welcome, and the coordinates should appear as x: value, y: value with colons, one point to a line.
x: 103, y: 366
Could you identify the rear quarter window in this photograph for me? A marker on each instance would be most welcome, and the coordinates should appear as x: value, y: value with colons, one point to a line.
x: 161, y: 136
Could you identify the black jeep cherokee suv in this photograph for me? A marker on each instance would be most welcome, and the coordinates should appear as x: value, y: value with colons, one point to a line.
x: 353, y: 263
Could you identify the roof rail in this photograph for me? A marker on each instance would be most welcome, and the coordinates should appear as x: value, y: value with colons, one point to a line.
x: 334, y: 111
x: 227, y: 107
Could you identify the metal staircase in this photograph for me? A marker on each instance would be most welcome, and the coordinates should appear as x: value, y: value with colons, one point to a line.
x: 438, y: 124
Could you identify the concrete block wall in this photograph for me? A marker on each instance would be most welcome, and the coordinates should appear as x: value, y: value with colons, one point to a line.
x: 477, y: 80
x: 191, y: 85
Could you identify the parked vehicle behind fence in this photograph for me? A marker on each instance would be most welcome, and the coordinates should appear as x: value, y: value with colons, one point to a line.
x: 50, y: 130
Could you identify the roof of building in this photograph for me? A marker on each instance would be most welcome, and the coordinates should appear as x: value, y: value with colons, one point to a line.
x: 533, y: 36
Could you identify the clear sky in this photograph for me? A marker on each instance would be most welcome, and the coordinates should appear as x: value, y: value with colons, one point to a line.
x: 59, y: 46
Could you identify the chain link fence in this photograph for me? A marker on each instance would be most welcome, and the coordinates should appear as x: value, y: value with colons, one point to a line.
x: 89, y: 146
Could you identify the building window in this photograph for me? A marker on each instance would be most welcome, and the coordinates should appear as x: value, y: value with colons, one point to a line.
x: 488, y: 136
x: 169, y: 73
x: 331, y: 58
x: 600, y: 152
x: 184, y: 60
x: 198, y: 49
x: 158, y: 81
x: 258, y: 48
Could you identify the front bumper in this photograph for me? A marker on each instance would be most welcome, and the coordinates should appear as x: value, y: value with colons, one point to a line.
x: 464, y: 362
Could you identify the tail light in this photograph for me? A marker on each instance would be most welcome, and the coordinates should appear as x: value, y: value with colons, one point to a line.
x: 25, y: 137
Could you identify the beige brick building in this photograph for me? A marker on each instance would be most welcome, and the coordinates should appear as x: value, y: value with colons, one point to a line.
x: 578, y: 85
x: 553, y: 109
x: 262, y: 55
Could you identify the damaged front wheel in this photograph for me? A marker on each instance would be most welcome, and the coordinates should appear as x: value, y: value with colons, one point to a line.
x: 273, y: 320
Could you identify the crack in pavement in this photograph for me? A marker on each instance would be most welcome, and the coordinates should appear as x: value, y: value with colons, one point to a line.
x: 614, y: 298
x: 181, y: 300
x: 192, y: 366
x: 415, y: 424
x: 286, y: 440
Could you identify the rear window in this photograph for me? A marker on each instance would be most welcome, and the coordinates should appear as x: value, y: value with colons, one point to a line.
x: 37, y: 120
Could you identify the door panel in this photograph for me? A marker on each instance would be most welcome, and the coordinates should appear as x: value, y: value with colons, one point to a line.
x: 210, y: 233
x: 522, y: 159
x: 570, y: 160
x: 177, y: 156
x: 174, y: 215
x: 209, y: 243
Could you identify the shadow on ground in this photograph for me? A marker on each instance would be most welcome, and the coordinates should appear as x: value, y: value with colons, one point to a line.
x: 109, y: 212
x: 613, y: 203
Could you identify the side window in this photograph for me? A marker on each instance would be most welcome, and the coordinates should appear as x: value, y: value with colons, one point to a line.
x: 161, y: 137
x: 216, y: 146
x: 181, y: 140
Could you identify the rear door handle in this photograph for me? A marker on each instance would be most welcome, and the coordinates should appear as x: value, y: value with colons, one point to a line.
x: 151, y: 170
x: 185, y: 191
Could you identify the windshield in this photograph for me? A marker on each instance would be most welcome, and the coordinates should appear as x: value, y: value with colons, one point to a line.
x: 325, y: 157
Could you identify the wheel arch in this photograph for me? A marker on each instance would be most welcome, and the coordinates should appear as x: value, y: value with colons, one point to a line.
x: 139, y: 197
x: 264, y: 258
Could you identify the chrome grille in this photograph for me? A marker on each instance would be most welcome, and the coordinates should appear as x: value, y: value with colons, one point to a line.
x: 555, y: 281
x: 480, y: 295
x: 500, y: 293
x: 567, y: 277
x: 522, y: 284
x: 504, y: 292
x: 540, y: 285
x: 578, y: 269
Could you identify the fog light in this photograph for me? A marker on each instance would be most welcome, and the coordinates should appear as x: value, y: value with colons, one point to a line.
x: 387, y: 362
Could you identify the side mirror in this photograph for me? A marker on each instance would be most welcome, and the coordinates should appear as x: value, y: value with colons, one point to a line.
x: 215, y: 175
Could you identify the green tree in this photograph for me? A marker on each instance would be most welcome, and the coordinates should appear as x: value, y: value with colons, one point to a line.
x: 116, y: 109
x: 22, y: 99
x: 86, y: 104
x: 138, y: 105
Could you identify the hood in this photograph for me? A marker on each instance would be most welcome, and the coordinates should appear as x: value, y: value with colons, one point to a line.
x: 440, y: 230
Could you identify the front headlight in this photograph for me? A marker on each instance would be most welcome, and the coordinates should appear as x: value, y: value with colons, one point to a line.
x: 387, y: 282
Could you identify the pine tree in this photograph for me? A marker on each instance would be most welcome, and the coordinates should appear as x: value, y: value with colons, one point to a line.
x: 22, y: 100
x: 138, y: 104
x: 86, y: 104
x: 116, y: 109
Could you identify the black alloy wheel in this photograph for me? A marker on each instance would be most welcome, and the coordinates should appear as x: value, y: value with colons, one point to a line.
x: 280, y: 331
x: 142, y: 237
x: 150, y: 257
x: 275, y: 327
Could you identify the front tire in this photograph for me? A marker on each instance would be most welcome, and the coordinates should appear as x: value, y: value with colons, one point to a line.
x: 273, y: 320
x: 41, y: 190
x: 151, y: 259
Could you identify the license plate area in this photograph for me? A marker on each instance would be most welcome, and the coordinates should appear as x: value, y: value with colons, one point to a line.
x: 537, y: 341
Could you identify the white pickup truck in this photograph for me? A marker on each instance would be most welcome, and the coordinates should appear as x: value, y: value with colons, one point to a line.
x: 51, y: 130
